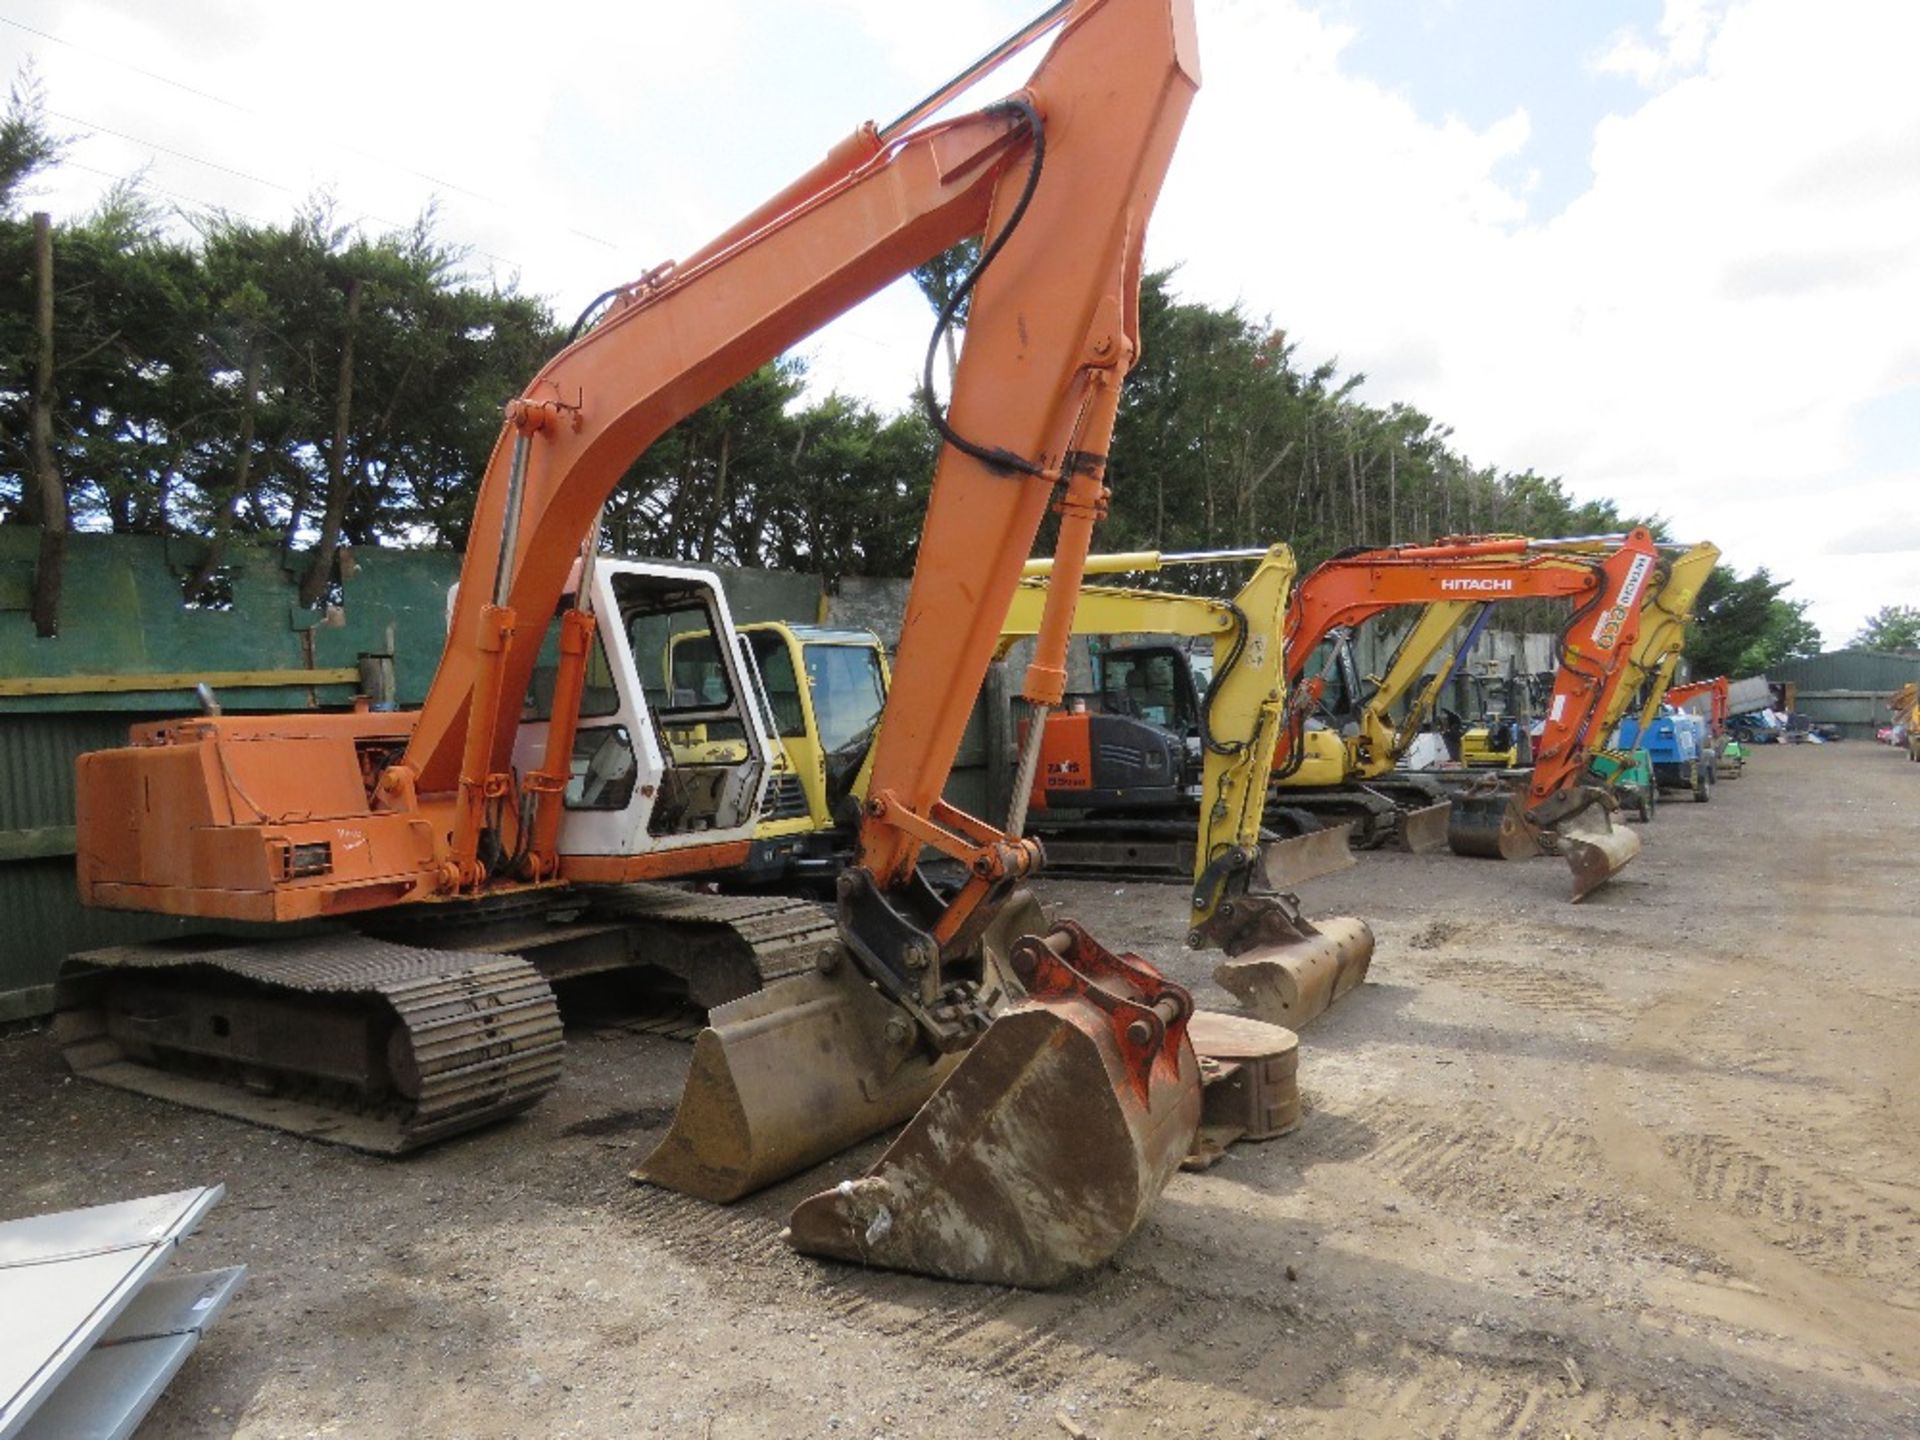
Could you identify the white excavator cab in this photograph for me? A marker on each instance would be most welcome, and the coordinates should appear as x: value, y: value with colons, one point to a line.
x: 669, y: 750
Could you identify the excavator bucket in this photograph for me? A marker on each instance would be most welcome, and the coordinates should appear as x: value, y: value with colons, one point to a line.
x: 1297, y: 859
x: 1288, y: 970
x: 1492, y: 824
x: 793, y: 1074
x: 1424, y: 831
x: 786, y: 1077
x: 1046, y: 1147
x: 1595, y: 848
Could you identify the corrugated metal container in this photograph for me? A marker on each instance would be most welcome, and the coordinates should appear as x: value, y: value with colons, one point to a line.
x: 1848, y: 688
x: 1875, y: 671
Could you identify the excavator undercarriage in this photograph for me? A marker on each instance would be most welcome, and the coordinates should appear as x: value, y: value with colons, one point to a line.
x: 430, y: 1021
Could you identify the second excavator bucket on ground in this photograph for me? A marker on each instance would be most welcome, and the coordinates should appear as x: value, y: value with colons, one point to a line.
x: 786, y: 1077
x: 1292, y: 979
x: 1047, y: 1146
x: 1423, y: 831
x: 1491, y: 824
x: 1595, y: 848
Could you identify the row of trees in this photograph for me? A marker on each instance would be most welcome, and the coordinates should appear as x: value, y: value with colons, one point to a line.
x: 309, y: 386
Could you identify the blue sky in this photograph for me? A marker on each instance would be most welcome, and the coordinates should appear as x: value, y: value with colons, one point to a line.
x: 1481, y: 59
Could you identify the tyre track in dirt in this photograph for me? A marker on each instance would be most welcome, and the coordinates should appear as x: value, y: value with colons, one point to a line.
x: 1787, y: 1225
x: 1829, y: 1220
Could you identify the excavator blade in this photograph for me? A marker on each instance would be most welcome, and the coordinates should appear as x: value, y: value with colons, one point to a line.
x: 792, y: 1074
x: 1291, y: 979
x: 1492, y: 824
x: 1424, y: 831
x: 1595, y: 848
x: 1048, y: 1145
x: 1300, y: 858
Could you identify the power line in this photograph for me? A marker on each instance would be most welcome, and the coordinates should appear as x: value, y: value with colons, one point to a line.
x: 177, y: 154
x: 354, y: 150
x: 140, y: 179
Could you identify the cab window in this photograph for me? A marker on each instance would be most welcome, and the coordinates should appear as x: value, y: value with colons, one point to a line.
x: 848, y: 692
x: 782, y: 685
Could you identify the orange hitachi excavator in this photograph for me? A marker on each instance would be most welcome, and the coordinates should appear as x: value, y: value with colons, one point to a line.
x: 1064, y: 1088
x: 1607, y: 580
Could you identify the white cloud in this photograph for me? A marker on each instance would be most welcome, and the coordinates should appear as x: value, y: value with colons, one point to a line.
x: 1678, y: 44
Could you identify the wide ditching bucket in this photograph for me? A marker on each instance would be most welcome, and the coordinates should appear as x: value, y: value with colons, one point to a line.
x: 1047, y: 1146
x: 795, y: 1073
x: 1595, y: 848
x: 1492, y: 824
x: 1287, y: 970
x: 786, y: 1077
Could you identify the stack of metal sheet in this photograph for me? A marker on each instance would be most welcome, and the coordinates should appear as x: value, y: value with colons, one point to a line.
x: 91, y: 1331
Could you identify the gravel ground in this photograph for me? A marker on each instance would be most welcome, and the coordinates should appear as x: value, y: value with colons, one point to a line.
x: 1649, y: 1165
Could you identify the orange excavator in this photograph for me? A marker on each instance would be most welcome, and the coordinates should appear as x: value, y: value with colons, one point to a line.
x: 1607, y: 581
x: 1051, y: 1085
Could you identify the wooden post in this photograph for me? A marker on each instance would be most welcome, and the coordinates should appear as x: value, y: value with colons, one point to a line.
x: 48, y: 502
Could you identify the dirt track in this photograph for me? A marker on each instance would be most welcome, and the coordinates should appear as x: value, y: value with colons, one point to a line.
x: 1645, y: 1166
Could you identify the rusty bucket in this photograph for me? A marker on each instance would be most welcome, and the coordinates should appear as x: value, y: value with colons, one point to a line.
x: 791, y: 1075
x: 786, y: 1077
x: 1490, y: 823
x: 1291, y: 979
x: 1047, y: 1146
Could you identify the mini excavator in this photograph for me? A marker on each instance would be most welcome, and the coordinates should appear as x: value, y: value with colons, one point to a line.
x: 1051, y: 1086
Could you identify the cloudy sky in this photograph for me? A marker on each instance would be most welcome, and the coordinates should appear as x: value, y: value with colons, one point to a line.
x: 1666, y: 249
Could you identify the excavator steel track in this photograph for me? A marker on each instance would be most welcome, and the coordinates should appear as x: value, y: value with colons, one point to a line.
x: 721, y: 946
x: 361, y: 1042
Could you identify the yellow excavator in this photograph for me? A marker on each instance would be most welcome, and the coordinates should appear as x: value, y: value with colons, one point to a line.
x: 1179, y: 768
x: 1122, y: 772
x: 1344, y: 766
x: 1622, y: 760
x: 824, y: 690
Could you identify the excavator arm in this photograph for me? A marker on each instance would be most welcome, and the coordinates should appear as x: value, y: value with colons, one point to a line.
x: 1381, y: 740
x: 1663, y: 636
